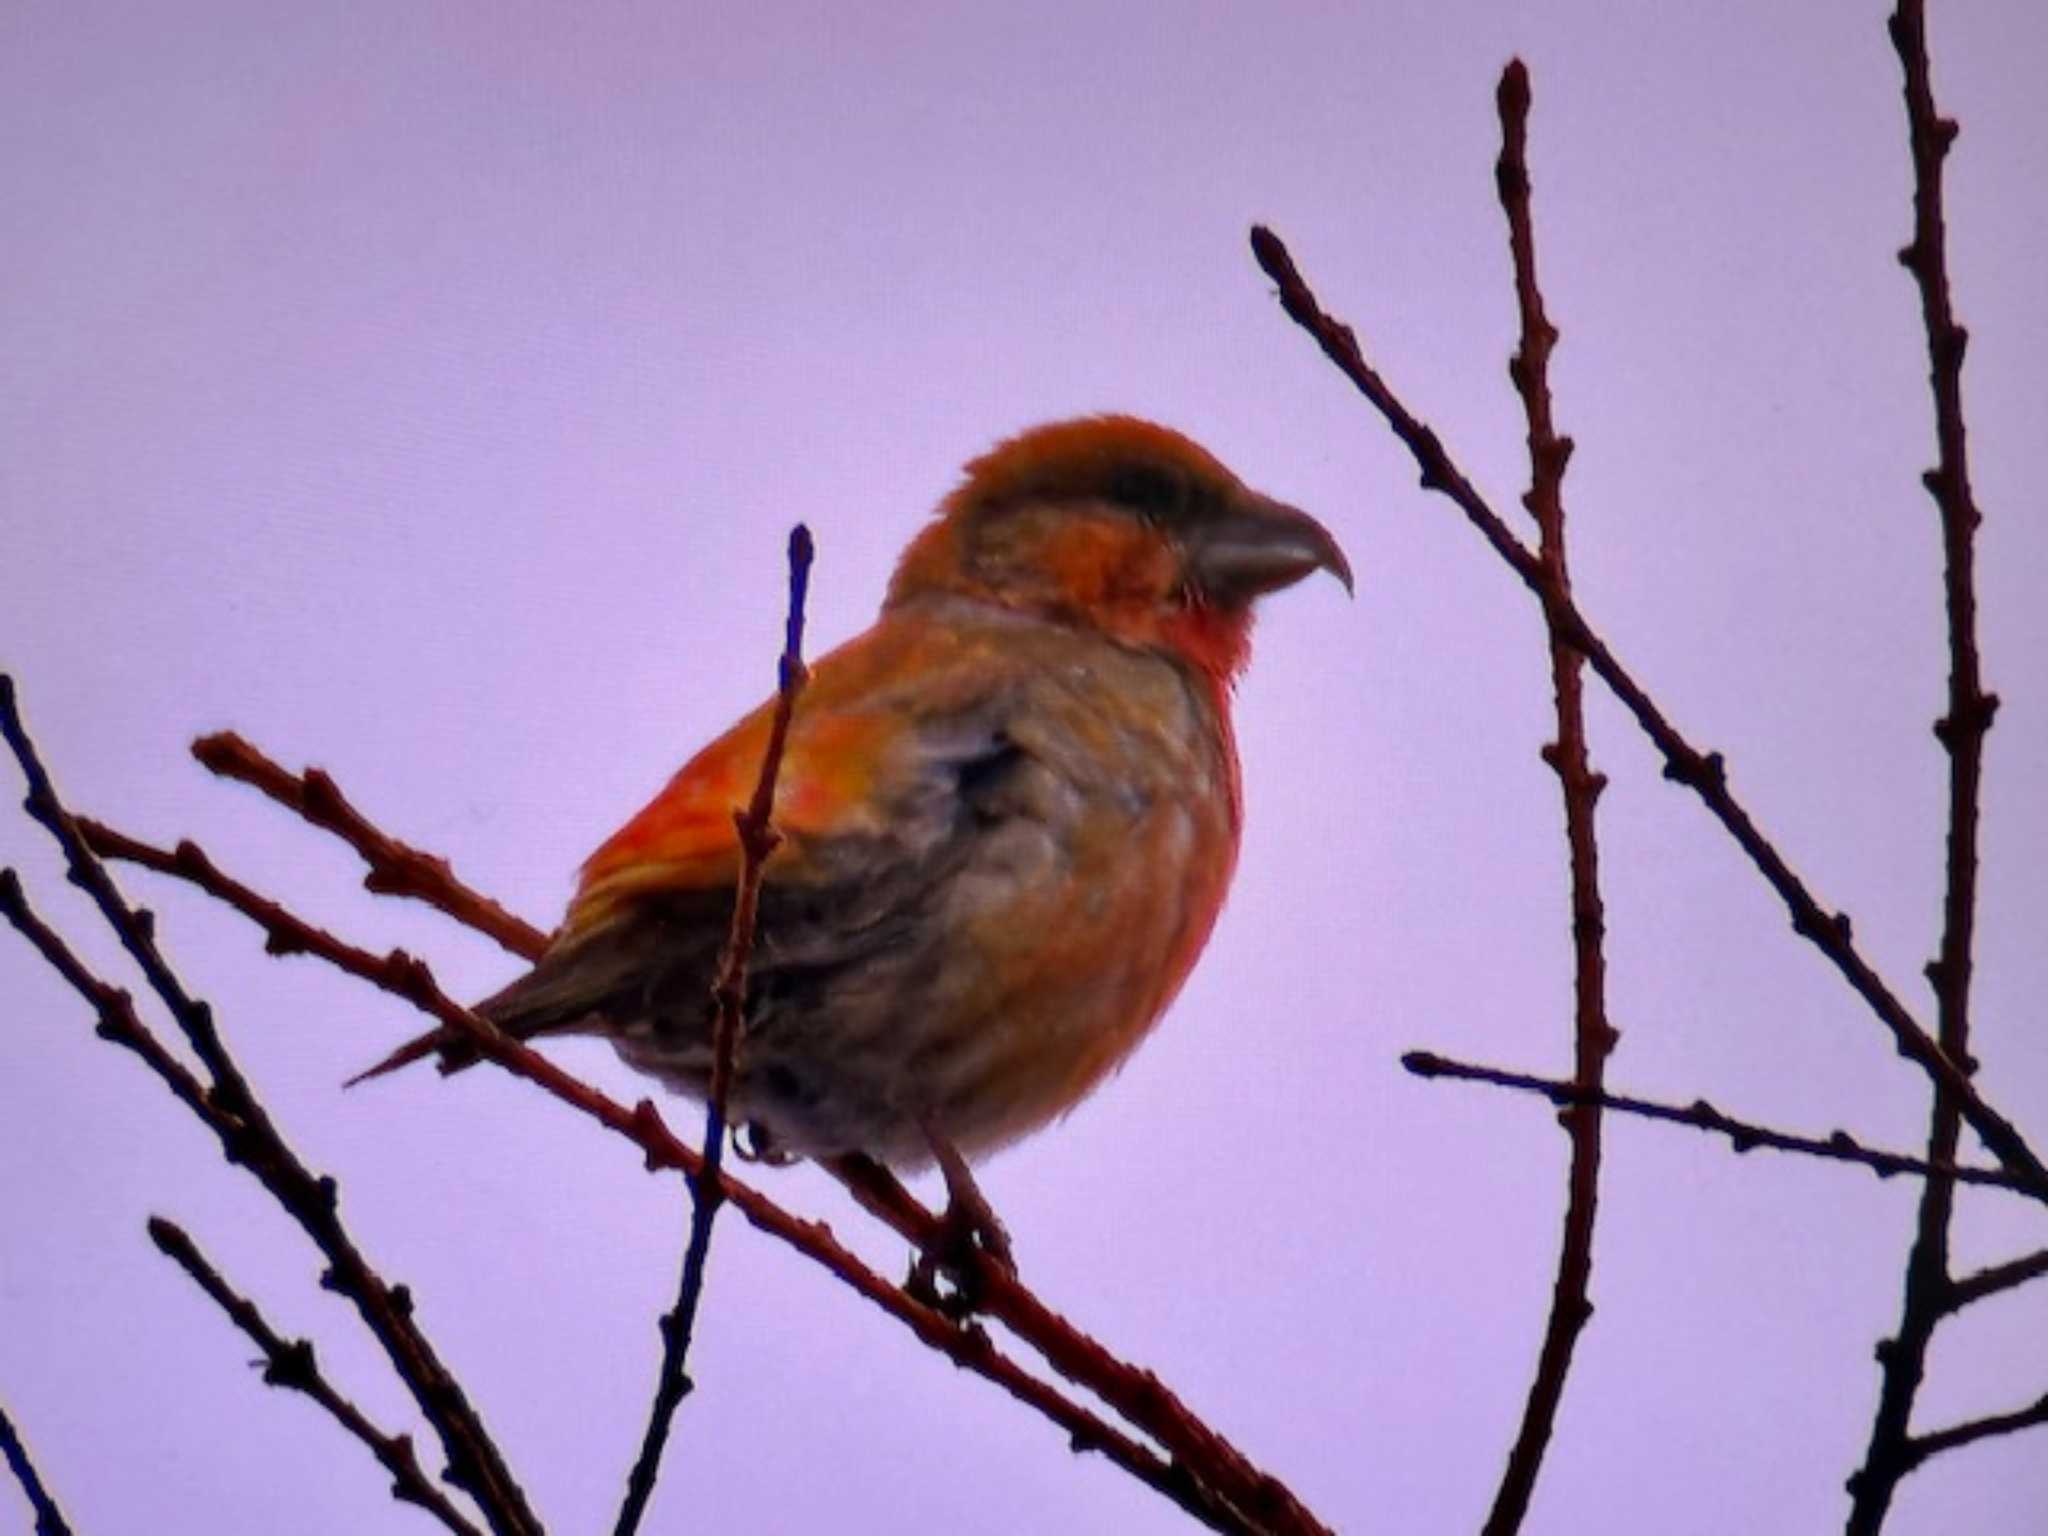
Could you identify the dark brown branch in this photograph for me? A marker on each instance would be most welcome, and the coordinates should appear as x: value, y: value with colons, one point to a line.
x: 1593, y: 1038
x: 1903, y: 1358
x: 135, y: 928
x: 1141, y: 1397
x: 49, y: 1518
x: 1189, y: 1481
x: 247, y: 1136
x: 1995, y: 1280
x: 1956, y: 1436
x: 290, y: 1364
x: 1705, y: 773
x: 758, y: 841
x: 118, y: 1023
x: 394, y: 868
x: 1743, y: 1135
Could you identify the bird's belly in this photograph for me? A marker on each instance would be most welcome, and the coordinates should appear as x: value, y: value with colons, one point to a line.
x: 1029, y: 983
x: 1020, y: 920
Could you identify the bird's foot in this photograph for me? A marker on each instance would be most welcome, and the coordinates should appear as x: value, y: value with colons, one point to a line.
x: 969, y: 1231
x: 972, y: 1223
x: 755, y: 1143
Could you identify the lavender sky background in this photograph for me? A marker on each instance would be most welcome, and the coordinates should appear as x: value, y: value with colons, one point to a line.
x: 425, y: 392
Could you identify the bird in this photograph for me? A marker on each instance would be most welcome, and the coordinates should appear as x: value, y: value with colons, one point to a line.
x: 1009, y: 810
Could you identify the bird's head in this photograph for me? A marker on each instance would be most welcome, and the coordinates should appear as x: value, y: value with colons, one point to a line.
x: 1119, y: 525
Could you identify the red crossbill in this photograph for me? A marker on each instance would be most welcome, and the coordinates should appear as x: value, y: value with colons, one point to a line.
x: 1010, y: 812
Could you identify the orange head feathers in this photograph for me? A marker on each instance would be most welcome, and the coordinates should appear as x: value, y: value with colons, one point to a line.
x: 1010, y: 811
x: 1121, y: 525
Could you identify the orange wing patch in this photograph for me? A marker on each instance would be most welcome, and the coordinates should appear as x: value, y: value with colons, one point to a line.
x: 844, y: 740
x: 685, y: 838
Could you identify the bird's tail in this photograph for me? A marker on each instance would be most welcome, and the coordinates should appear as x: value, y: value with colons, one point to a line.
x: 434, y: 1040
x: 562, y: 994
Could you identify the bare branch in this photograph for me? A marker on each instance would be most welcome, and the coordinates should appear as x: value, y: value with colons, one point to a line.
x: 758, y: 841
x: 118, y: 1021
x: 1703, y: 772
x: 395, y: 868
x: 1743, y: 1135
x: 135, y: 928
x: 49, y: 1518
x: 1141, y: 1397
x: 290, y: 1364
x: 231, y: 1111
x: 1995, y: 1280
x: 1593, y: 1037
x: 1961, y: 731
x: 1920, y: 1447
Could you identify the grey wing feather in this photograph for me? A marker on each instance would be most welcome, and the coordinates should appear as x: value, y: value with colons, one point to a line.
x: 649, y: 974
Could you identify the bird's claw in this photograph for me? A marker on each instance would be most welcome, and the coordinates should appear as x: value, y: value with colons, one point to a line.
x: 753, y: 1142
x: 969, y: 1231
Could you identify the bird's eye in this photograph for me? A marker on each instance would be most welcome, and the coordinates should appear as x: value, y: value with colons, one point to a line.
x: 1154, y: 493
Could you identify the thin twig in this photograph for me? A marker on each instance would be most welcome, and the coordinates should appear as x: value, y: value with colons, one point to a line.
x: 1593, y: 1037
x: 1995, y: 1280
x: 229, y: 1109
x: 758, y: 841
x: 1903, y: 1358
x: 394, y: 868
x: 135, y: 928
x: 1920, y: 1447
x: 49, y: 1518
x: 118, y: 1022
x: 1743, y: 1135
x: 1703, y: 772
x: 1189, y: 1481
x: 290, y: 1364
x: 758, y: 838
